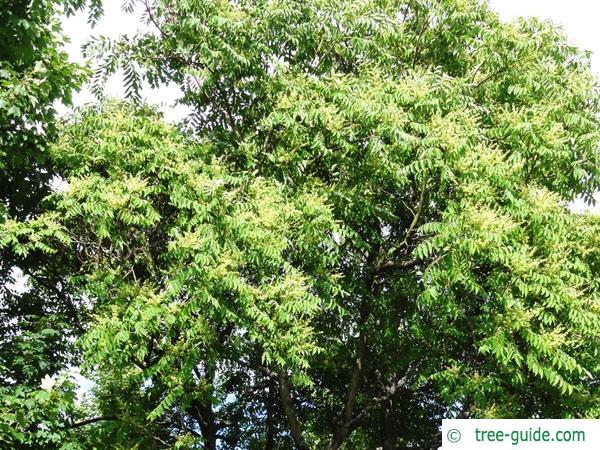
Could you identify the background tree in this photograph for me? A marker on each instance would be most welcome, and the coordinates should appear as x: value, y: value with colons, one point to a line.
x: 36, y: 322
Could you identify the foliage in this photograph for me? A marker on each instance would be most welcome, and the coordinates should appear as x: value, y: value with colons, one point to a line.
x: 34, y: 72
x: 35, y: 417
x: 37, y: 320
x: 188, y: 268
x: 362, y: 229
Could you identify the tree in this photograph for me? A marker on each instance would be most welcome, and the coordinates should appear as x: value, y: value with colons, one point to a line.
x: 364, y: 228
x: 38, y: 320
x: 189, y: 270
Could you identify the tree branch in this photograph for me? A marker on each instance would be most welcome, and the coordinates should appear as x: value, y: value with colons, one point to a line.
x: 61, y: 295
x: 346, y: 428
x: 288, y: 407
x: 385, y: 265
x: 90, y: 421
x: 417, y: 215
x: 390, y: 391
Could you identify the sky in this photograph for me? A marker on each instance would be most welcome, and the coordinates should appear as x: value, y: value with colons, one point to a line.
x: 577, y: 18
x: 113, y: 24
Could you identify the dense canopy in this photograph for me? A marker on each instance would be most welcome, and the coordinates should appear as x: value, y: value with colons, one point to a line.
x: 362, y: 227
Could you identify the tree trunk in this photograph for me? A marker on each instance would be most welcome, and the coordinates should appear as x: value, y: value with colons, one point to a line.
x: 208, y: 427
x: 270, y: 429
x: 390, y: 430
x: 203, y: 413
x: 288, y: 407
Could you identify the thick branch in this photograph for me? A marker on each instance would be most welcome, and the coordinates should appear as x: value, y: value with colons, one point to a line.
x: 390, y: 391
x: 90, y: 421
x: 417, y: 215
x: 204, y: 414
x: 353, y: 422
x: 288, y: 407
x: 386, y: 265
x: 345, y: 427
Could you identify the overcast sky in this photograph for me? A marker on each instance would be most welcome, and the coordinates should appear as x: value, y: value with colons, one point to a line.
x: 578, y: 19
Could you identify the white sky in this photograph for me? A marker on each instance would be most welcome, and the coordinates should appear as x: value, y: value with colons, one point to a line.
x: 578, y: 19
x: 113, y: 24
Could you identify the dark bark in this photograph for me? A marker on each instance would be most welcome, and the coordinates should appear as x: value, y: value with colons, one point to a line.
x: 346, y: 427
x: 270, y: 425
x: 348, y: 424
x: 389, y: 428
x: 285, y: 396
x: 90, y: 421
x: 204, y: 415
